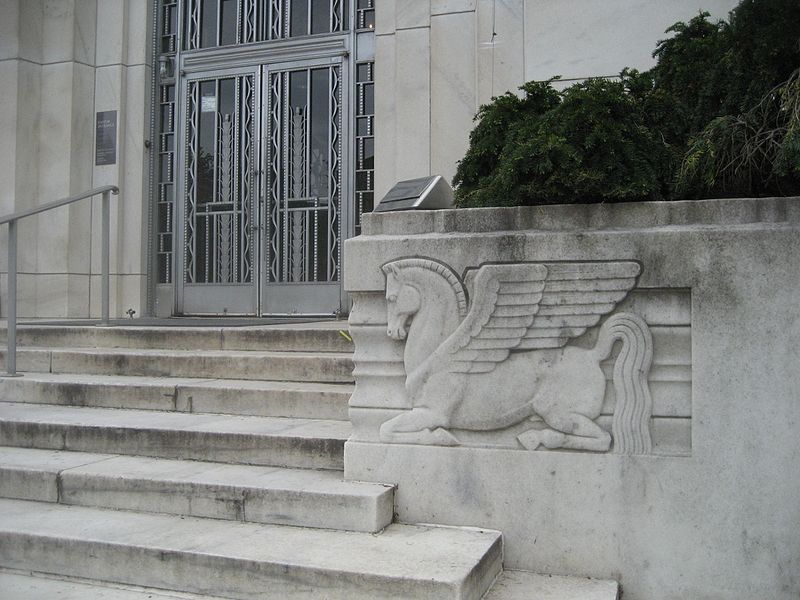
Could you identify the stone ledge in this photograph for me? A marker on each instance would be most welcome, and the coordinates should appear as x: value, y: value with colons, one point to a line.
x: 576, y: 217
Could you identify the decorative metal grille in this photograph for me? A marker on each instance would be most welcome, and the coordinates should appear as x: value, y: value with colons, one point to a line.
x: 165, y: 201
x: 365, y: 14
x: 219, y: 186
x: 165, y: 144
x: 306, y: 209
x: 211, y: 23
x: 365, y: 141
x: 304, y: 175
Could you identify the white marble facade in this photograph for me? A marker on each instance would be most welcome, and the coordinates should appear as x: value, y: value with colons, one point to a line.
x: 61, y: 61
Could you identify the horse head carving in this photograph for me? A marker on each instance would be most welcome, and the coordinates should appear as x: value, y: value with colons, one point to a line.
x: 499, y: 355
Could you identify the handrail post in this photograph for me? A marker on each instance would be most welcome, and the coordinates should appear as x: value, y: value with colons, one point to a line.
x: 11, y: 354
x: 105, y: 256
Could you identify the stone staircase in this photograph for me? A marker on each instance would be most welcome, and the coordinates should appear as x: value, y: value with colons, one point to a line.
x: 208, y: 460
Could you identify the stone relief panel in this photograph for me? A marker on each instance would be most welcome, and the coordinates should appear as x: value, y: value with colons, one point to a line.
x: 528, y: 356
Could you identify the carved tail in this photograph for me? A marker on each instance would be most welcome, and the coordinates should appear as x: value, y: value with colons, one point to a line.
x: 631, y: 425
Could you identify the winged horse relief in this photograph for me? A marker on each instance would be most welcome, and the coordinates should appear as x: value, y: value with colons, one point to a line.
x: 502, y: 358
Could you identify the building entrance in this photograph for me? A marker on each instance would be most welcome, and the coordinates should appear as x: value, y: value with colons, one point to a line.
x: 270, y: 154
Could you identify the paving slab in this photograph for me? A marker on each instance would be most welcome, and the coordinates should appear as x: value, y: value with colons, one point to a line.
x: 245, y: 560
x: 274, y: 441
x: 523, y: 585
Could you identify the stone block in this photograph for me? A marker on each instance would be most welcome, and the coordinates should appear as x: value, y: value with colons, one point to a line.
x: 410, y: 15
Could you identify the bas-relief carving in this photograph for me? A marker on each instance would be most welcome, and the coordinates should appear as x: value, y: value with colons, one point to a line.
x: 494, y: 352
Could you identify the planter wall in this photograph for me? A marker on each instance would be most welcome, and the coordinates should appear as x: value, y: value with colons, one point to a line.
x: 679, y: 475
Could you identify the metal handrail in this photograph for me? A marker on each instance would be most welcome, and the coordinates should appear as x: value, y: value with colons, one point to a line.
x: 106, y: 191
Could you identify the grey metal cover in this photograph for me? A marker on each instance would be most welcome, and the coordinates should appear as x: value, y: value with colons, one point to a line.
x: 424, y: 193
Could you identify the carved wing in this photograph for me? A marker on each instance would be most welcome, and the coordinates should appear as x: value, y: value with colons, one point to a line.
x: 575, y: 297
x: 533, y: 306
x: 505, y: 301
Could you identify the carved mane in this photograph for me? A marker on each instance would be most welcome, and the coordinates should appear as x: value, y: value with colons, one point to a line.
x: 437, y: 267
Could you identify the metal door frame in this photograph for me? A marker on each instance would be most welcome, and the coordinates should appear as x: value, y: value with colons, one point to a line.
x: 274, y: 296
x: 244, y: 304
x: 258, y: 59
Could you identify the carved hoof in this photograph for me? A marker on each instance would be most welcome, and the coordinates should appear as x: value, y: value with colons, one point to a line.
x: 549, y: 438
x: 442, y: 437
x: 425, y: 437
x: 553, y: 439
x: 530, y: 439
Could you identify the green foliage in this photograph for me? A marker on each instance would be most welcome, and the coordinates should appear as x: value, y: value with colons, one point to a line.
x: 757, y: 152
x: 717, y: 115
x: 589, y: 143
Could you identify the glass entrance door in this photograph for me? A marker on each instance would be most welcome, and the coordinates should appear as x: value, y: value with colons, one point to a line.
x: 219, y: 195
x: 264, y: 158
x: 304, y: 217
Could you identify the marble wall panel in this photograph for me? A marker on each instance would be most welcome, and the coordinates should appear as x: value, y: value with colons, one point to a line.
x: 28, y: 124
x: 385, y: 17
x: 55, y: 143
x: 9, y: 75
x: 412, y: 103
x: 82, y: 158
x: 125, y: 291
x: 603, y: 38
x: 58, y: 31
x: 110, y: 94
x: 139, y: 32
x: 132, y: 226
x: 412, y: 14
x: 501, y: 44
x: 52, y: 294
x: 453, y: 94
x: 113, y: 32
x: 31, y: 26
x: 77, y: 296
x: 85, y: 37
x: 26, y: 294
x: 443, y: 7
x: 385, y: 114
x: 9, y: 29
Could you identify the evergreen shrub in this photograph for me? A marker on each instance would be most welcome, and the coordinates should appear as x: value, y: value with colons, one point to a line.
x: 719, y: 115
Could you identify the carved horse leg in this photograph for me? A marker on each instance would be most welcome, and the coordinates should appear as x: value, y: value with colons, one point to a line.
x: 418, y: 426
x: 584, y: 434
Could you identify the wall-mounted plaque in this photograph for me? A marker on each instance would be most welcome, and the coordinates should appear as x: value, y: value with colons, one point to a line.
x: 105, y: 152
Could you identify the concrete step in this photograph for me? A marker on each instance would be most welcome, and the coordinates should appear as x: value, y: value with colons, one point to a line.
x: 326, y: 367
x: 523, y: 585
x: 241, y: 397
x: 245, y: 560
x: 303, y: 337
x: 273, y: 441
x: 298, y: 497
x: 19, y: 585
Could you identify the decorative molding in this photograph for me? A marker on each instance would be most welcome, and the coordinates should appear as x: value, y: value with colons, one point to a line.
x: 273, y: 52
